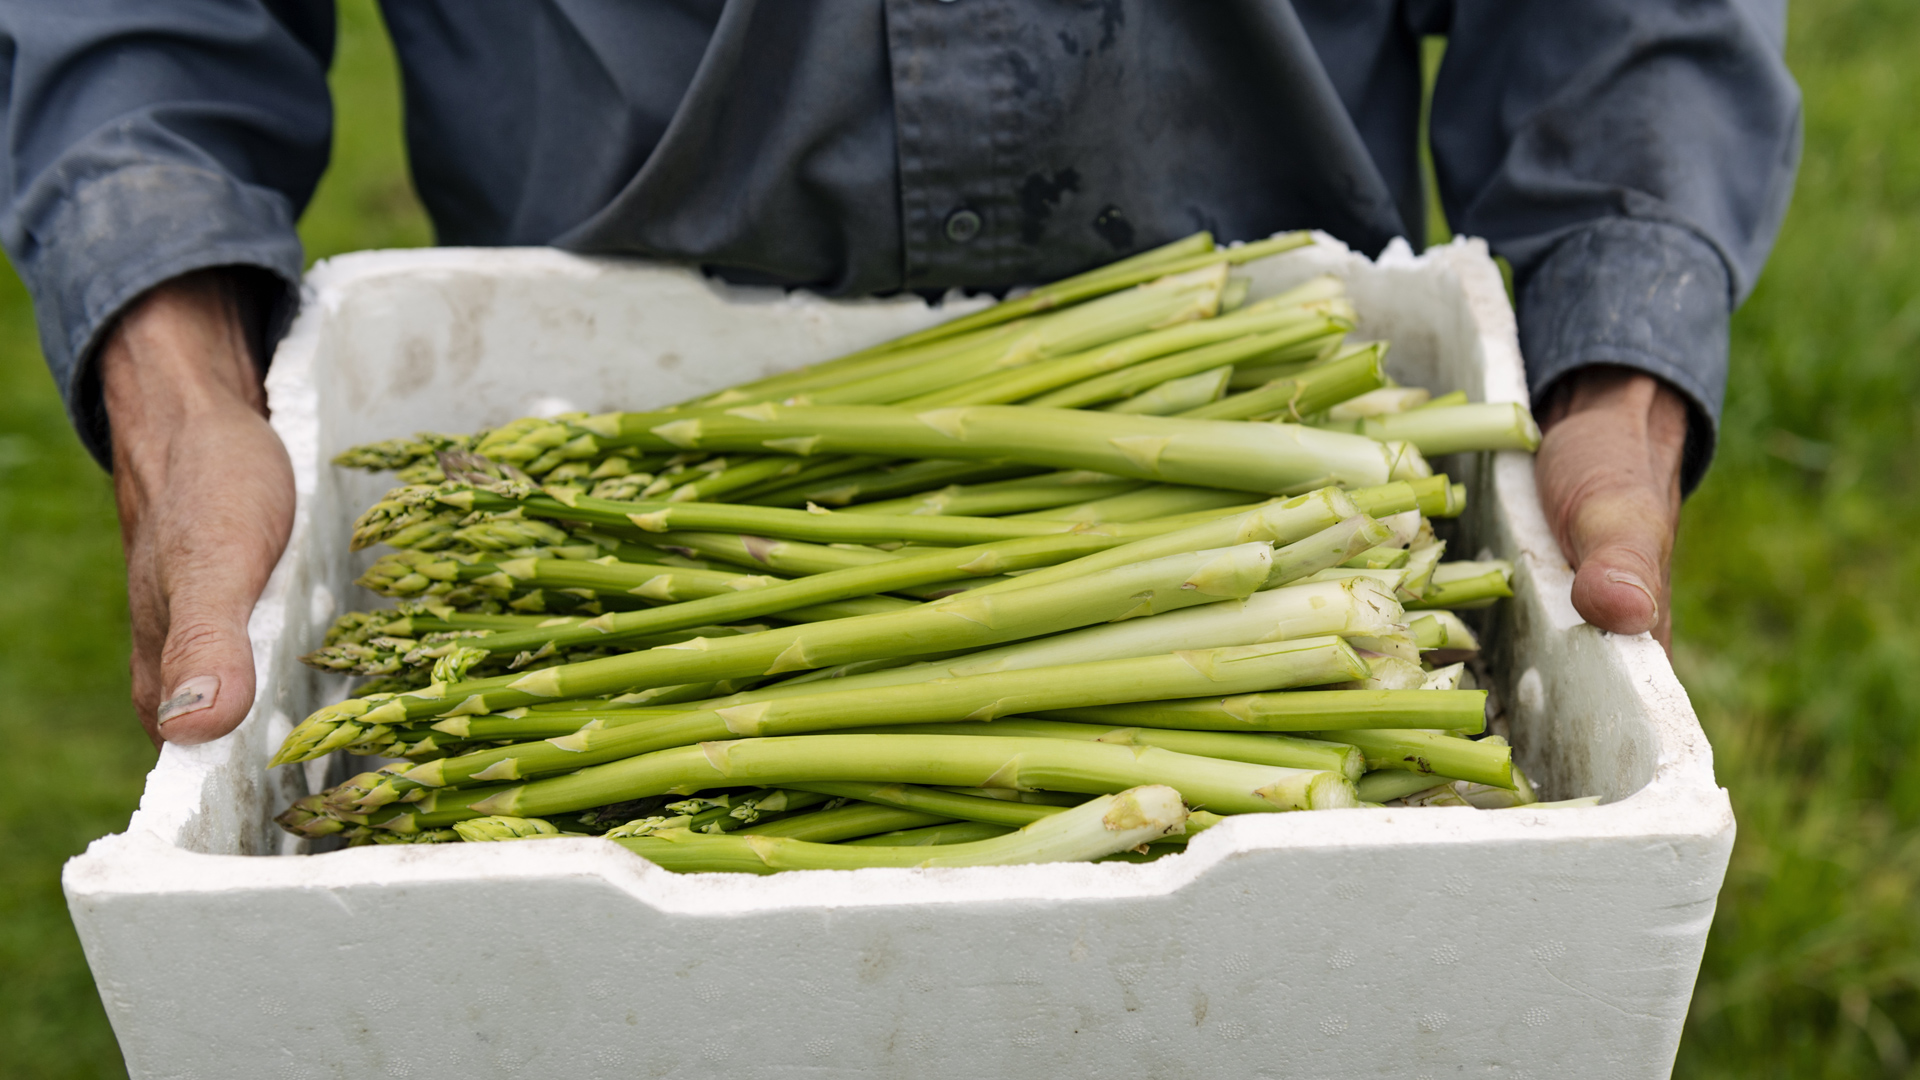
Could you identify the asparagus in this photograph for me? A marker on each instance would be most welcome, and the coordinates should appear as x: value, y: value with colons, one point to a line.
x: 1308, y: 662
x: 1462, y: 586
x: 1294, y: 612
x: 966, y: 621
x: 1146, y: 361
x: 791, y: 599
x: 1283, y: 522
x: 847, y: 822
x: 877, y: 478
x: 1387, y: 785
x: 1387, y: 399
x: 1482, y: 762
x: 1186, y: 254
x: 1176, y: 396
x: 1451, y: 429
x: 1178, y: 298
x: 957, y: 760
x: 952, y: 832
x: 946, y: 804
x: 1043, y: 492
x: 1324, y: 711
x: 1147, y: 503
x: 1308, y: 392
x: 1290, y: 751
x: 1099, y: 827
x: 954, y: 334
x: 1204, y: 453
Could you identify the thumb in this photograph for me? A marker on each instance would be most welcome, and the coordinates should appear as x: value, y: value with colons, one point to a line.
x: 206, y: 671
x: 1623, y: 543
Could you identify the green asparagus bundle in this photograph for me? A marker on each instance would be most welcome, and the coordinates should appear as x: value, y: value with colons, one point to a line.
x: 1066, y: 578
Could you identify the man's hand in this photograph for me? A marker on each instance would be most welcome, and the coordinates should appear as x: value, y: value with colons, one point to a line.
x: 206, y: 500
x: 1609, y: 472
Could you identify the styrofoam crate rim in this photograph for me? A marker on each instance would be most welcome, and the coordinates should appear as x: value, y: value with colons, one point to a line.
x: 1681, y: 801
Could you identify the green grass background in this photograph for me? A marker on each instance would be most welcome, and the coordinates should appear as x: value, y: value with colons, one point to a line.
x: 1795, y: 597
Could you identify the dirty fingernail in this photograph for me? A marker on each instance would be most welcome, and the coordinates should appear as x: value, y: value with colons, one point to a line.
x: 1622, y: 577
x: 190, y: 697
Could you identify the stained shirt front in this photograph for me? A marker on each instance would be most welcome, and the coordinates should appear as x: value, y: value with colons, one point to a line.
x: 1632, y: 158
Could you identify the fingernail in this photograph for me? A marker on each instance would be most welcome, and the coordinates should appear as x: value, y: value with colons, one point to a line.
x: 1622, y: 577
x: 190, y: 697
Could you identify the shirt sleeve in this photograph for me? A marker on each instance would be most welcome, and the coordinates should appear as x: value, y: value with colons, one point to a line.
x: 145, y: 139
x: 1632, y: 159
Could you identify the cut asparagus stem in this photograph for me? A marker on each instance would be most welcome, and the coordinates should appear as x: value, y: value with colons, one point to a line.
x: 1204, y: 453
x: 958, y: 760
x: 1427, y: 494
x: 1464, y: 593
x: 1308, y: 392
x: 1387, y: 399
x: 966, y: 621
x: 946, y: 804
x: 1328, y: 547
x: 1387, y: 785
x: 1324, y: 711
x: 1176, y: 396
x: 1483, y: 762
x: 953, y: 832
x: 1240, y: 669
x: 1099, y: 827
x: 1290, y: 751
x: 1451, y: 429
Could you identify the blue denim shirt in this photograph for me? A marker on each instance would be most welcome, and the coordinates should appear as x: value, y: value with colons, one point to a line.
x: 1632, y: 158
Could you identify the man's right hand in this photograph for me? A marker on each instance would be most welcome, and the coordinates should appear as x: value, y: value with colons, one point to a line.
x: 205, y: 491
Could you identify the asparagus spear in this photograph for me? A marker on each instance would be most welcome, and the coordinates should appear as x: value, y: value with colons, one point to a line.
x: 1308, y: 392
x: 1176, y: 396
x: 1324, y: 711
x: 1451, y: 429
x: 966, y: 621
x: 776, y: 597
x: 1290, y: 751
x: 1006, y: 496
x: 1295, y: 612
x: 1178, y: 298
x: 1482, y: 762
x: 960, y: 760
x: 1099, y: 827
x: 848, y: 822
x: 952, y: 832
x: 1464, y: 585
x: 1282, y: 522
x: 1181, y: 255
x: 1204, y: 453
x: 1148, y: 503
x: 1309, y: 662
x: 946, y: 804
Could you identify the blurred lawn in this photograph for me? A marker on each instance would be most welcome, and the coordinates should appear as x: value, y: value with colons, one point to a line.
x: 1795, y: 604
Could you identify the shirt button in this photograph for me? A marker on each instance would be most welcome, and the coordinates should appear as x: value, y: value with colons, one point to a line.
x: 962, y: 226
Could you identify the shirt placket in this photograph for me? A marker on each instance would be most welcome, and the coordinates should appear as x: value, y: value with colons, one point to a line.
x: 959, y: 140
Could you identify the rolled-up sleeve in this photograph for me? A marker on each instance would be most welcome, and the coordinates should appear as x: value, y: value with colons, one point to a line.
x: 1633, y: 160
x: 145, y: 139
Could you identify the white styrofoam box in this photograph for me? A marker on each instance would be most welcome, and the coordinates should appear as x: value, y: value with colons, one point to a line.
x: 1388, y: 942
